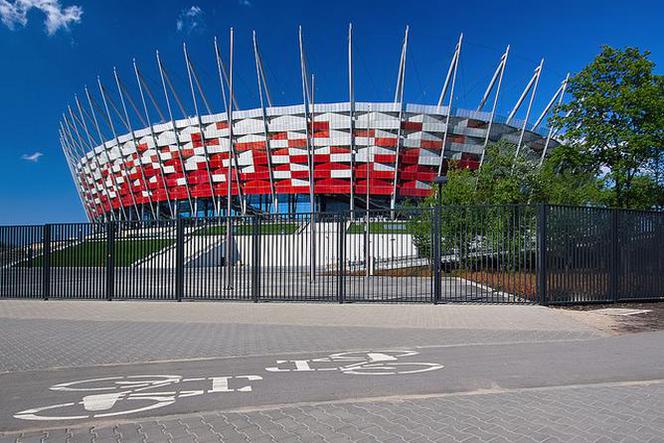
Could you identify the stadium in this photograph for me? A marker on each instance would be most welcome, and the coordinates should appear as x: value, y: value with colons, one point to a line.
x: 304, y: 157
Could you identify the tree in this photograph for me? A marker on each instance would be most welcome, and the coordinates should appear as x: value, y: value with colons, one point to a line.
x: 567, y: 177
x: 615, y: 118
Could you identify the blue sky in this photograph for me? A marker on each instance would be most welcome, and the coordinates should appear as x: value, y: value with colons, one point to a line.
x: 52, y: 48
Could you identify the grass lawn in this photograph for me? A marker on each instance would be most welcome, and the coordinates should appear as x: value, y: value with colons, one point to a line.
x: 265, y: 229
x: 93, y: 253
x: 386, y: 227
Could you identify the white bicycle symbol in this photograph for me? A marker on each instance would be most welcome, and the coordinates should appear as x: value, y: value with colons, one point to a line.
x: 360, y: 363
x: 123, y: 395
x: 129, y: 395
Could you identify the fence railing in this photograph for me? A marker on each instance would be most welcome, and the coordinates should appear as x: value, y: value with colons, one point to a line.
x: 482, y: 254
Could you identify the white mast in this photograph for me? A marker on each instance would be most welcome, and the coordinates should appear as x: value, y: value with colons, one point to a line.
x: 178, y: 144
x: 153, y: 209
x: 154, y: 141
x: 398, y: 98
x: 498, y: 75
x: 452, y: 72
x: 536, y: 77
x: 351, y: 100
x: 262, y: 84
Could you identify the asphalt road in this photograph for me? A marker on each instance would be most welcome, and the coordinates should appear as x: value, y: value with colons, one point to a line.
x: 296, y: 378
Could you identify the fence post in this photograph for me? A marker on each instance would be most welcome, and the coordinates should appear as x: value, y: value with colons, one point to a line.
x: 255, y: 258
x: 179, y: 259
x: 436, y: 245
x: 341, y: 260
x: 46, y: 262
x: 615, y: 256
x: 110, y: 260
x: 542, y: 210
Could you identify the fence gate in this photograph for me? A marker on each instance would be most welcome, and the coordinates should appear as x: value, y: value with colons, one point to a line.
x: 488, y: 254
x: 21, y: 261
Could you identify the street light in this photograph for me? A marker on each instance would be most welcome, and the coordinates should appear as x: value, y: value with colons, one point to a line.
x: 440, y: 181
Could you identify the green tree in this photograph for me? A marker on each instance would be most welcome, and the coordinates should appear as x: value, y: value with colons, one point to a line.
x: 567, y: 177
x: 615, y: 118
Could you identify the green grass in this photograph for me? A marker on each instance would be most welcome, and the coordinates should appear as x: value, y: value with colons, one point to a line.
x: 93, y: 253
x: 265, y: 229
x: 386, y: 227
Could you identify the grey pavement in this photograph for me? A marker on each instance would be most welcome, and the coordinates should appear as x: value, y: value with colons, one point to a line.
x: 596, y: 413
x: 495, y: 373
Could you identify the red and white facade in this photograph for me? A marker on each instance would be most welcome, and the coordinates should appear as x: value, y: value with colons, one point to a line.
x: 342, y: 152
x: 390, y: 155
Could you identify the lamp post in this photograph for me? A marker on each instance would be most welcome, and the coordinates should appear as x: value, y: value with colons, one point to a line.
x: 440, y: 181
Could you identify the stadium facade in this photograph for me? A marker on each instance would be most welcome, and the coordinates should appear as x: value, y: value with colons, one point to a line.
x: 299, y: 158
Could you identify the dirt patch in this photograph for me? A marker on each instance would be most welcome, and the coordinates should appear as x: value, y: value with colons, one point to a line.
x: 620, y: 324
x: 522, y: 284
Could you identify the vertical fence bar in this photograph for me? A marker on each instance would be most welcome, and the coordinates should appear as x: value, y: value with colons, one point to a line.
x: 436, y: 244
x: 110, y: 260
x: 179, y: 259
x: 46, y: 262
x: 541, y: 254
x: 614, y: 267
x: 255, y: 257
x: 341, y: 260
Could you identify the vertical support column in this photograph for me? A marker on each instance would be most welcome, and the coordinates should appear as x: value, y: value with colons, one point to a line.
x: 541, y: 253
x: 179, y: 259
x: 341, y: 260
x: 46, y: 262
x: 255, y: 258
x: 436, y: 245
x: 110, y: 260
x: 351, y: 100
x: 614, y: 268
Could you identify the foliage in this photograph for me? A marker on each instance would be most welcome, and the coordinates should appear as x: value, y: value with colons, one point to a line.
x: 615, y: 120
x: 481, y: 207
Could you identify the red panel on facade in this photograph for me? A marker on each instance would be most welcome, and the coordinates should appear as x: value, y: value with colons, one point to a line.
x: 299, y: 158
x: 279, y: 136
x: 297, y: 143
x: 386, y: 142
x: 385, y: 158
x: 411, y: 126
x: 431, y: 144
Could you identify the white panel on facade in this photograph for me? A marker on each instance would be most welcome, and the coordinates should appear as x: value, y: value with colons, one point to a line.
x: 340, y: 158
x: 248, y: 126
x: 340, y: 173
x: 281, y: 174
x: 285, y: 123
x: 166, y: 138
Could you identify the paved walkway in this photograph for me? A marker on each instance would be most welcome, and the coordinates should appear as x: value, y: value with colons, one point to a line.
x: 426, y: 316
x: 502, y: 373
x: 39, y: 335
x: 599, y: 413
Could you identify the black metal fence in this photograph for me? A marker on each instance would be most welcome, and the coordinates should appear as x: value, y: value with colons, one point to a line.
x: 484, y: 254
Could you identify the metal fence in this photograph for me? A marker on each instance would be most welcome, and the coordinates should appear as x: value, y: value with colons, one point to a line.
x: 482, y: 254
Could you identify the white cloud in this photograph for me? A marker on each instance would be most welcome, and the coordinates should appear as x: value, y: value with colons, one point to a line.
x: 244, y: 2
x: 32, y: 157
x: 14, y: 13
x: 190, y: 19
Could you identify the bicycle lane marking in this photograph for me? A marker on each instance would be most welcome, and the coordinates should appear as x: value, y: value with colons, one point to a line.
x: 115, y: 396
